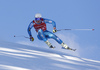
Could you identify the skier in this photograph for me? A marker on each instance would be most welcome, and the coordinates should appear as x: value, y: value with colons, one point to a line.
x: 39, y: 25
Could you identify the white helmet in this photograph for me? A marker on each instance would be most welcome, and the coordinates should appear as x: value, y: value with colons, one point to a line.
x: 38, y: 15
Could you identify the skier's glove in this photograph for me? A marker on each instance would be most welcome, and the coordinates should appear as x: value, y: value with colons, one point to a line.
x: 31, y: 38
x: 54, y: 30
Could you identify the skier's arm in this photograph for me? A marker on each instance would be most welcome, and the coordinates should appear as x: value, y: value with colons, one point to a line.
x: 29, y: 28
x: 29, y: 31
x: 50, y: 22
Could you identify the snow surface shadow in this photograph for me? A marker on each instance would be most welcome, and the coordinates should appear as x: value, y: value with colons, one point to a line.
x: 21, y: 57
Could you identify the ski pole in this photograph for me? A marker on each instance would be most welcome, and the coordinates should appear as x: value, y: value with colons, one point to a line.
x: 75, y: 29
x: 22, y: 36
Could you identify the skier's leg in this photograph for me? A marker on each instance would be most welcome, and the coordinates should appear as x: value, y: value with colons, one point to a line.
x: 51, y: 35
x: 49, y: 44
x: 41, y: 36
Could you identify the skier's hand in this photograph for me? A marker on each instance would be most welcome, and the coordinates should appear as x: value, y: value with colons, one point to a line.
x: 54, y: 30
x: 31, y: 38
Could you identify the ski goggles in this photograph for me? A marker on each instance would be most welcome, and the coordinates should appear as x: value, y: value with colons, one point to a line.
x: 37, y: 19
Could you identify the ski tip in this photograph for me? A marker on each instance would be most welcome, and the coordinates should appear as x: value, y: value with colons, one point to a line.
x: 74, y: 50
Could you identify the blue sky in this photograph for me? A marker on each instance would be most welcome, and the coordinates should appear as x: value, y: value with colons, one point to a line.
x: 16, y: 15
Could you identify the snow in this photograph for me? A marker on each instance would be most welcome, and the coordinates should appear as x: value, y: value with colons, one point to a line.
x: 15, y: 56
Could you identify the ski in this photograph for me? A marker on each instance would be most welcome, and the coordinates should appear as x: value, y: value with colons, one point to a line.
x: 72, y: 49
x: 69, y: 49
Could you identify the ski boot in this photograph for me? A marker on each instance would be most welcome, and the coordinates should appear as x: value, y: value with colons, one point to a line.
x: 52, y: 47
x: 64, y: 46
x: 49, y: 44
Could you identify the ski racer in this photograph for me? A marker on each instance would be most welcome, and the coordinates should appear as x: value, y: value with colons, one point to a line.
x: 43, y: 34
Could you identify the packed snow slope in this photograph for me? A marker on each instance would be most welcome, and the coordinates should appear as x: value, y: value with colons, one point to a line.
x: 21, y: 57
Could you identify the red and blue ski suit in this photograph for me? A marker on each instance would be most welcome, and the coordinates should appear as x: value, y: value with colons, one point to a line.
x: 41, y: 29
